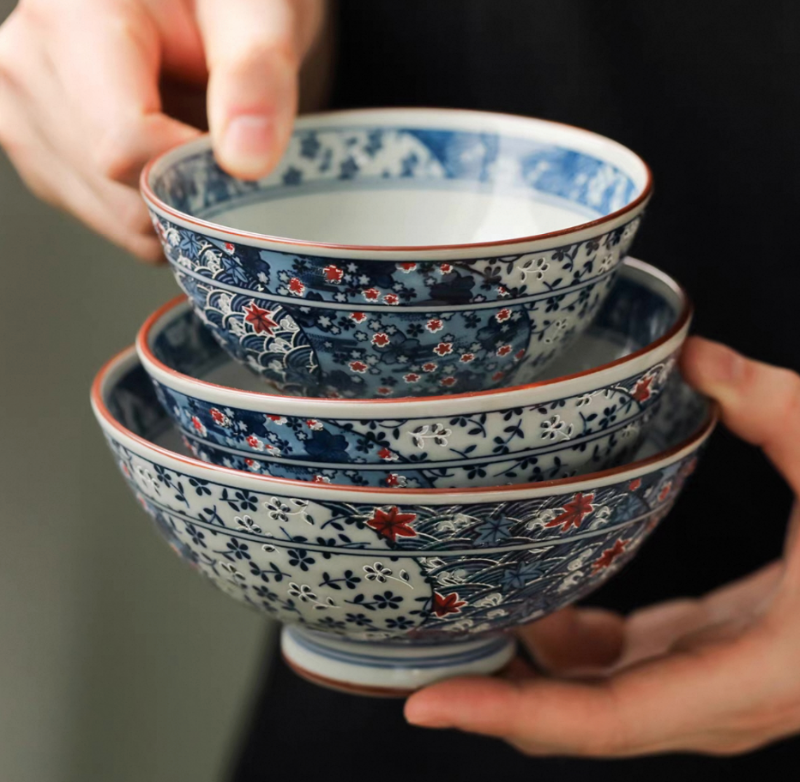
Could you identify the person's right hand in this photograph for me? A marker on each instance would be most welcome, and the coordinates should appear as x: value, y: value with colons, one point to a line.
x: 82, y: 95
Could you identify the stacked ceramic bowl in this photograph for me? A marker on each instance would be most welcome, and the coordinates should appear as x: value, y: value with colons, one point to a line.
x: 384, y: 419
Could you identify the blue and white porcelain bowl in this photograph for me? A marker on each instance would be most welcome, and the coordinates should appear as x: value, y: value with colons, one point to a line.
x: 402, y: 252
x: 589, y: 416
x: 384, y: 591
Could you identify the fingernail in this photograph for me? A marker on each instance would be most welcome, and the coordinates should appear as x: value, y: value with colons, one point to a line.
x: 247, y: 144
x: 723, y: 365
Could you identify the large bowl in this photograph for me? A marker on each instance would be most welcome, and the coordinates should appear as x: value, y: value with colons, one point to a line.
x: 387, y: 591
x: 589, y: 416
x: 472, y: 246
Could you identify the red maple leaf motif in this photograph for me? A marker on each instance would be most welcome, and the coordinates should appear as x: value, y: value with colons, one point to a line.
x: 358, y: 317
x: 392, y: 524
x: 520, y: 354
x: 467, y: 357
x: 391, y: 298
x: 445, y: 268
x: 641, y: 391
x: 296, y: 287
x: 435, y: 324
x: 635, y: 484
x: 411, y: 377
x: 504, y: 314
x: 609, y: 556
x: 218, y: 417
x: 229, y: 248
x: 497, y: 375
x: 386, y: 455
x: 447, y: 381
x: 260, y: 319
x: 447, y: 604
x: 573, y: 512
x: 408, y: 266
x: 393, y: 480
x: 333, y: 274
x: 380, y: 340
x: 504, y: 350
x: 384, y: 391
x: 443, y: 348
x: 358, y: 366
x: 429, y: 366
x: 371, y: 294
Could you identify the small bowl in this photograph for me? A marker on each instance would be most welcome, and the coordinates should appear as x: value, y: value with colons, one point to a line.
x: 588, y: 417
x: 472, y: 246
x: 388, y: 591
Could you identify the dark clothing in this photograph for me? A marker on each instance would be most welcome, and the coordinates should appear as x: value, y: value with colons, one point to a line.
x: 707, y: 93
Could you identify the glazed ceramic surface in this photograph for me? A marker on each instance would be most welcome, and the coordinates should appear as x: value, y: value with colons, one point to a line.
x: 499, y: 238
x: 402, y: 569
x: 547, y: 431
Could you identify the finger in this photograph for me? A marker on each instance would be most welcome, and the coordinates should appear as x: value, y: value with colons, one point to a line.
x: 575, y: 640
x: 686, y: 702
x: 111, y: 52
x: 760, y: 403
x: 253, y: 60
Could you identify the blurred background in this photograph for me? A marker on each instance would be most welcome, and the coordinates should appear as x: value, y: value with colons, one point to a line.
x: 108, y: 643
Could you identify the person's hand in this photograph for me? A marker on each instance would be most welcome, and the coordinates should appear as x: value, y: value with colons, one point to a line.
x: 719, y: 675
x: 85, y: 87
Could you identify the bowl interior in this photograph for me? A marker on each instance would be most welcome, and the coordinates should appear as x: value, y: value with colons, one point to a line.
x: 640, y: 309
x: 412, y: 178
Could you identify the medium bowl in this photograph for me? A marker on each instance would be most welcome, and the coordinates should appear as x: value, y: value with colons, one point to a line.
x: 589, y: 416
x: 387, y: 591
x: 472, y: 245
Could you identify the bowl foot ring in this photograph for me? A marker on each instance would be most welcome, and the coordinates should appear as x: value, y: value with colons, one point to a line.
x: 388, y: 671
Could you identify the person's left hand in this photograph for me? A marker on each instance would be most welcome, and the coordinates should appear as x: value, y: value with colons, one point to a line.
x: 719, y: 675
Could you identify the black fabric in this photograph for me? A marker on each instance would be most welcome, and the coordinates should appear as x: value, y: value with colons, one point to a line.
x: 707, y: 93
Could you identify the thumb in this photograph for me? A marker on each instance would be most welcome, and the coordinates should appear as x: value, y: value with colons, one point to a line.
x: 253, y: 56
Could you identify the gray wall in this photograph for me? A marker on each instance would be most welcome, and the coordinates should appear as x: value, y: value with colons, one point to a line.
x: 117, y: 662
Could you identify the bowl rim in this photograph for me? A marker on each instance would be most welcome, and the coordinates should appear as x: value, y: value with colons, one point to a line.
x: 152, y: 166
x: 390, y: 495
x: 404, y: 405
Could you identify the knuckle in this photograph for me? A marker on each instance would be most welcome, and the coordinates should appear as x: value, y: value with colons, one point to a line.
x: 253, y: 55
x: 112, y: 157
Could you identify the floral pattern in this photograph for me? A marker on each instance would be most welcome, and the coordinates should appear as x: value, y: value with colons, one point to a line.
x: 361, y: 327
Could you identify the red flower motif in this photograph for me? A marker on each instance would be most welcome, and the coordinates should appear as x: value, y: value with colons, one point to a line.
x: 384, y: 391
x: 443, y: 348
x: 391, y: 298
x: 276, y: 419
x: 429, y: 366
x: 445, y: 268
x: 497, y: 375
x: 664, y: 493
x: 313, y: 424
x: 321, y: 479
x: 218, y: 416
x: 411, y: 377
x: 253, y: 465
x: 503, y: 315
x: 504, y: 350
x: 520, y: 354
x: 254, y: 442
x: 642, y: 391
x: 447, y: 604
x: 261, y: 320
x: 448, y: 381
x: 387, y: 455
x: 371, y: 294
x: 609, y: 556
x: 358, y: 317
x: 501, y: 290
x: 358, y: 366
x: 408, y: 266
x: 573, y: 512
x: 434, y: 325
x: 198, y: 424
x: 296, y: 287
x: 634, y: 484
x: 392, y: 524
x: 467, y: 357
x: 393, y: 480
x: 229, y: 248
x: 380, y: 340
x: 333, y: 274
